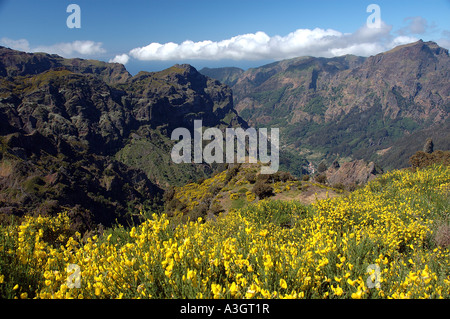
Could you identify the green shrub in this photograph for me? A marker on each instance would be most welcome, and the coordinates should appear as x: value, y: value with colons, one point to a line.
x: 422, y: 159
x: 339, y: 186
x: 322, y: 167
x: 231, y: 172
x: 321, y: 178
x: 250, y: 177
x: 263, y: 178
x: 262, y: 190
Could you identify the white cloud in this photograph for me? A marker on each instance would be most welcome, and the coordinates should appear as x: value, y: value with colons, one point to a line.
x: 122, y: 58
x: 417, y: 25
x: 70, y: 49
x: 445, y: 40
x: 445, y: 43
x: 65, y: 49
x: 400, y: 40
x: 255, y: 46
x: 21, y: 44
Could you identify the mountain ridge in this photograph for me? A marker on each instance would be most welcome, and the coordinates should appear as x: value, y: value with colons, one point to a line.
x: 351, y: 107
x: 18, y: 63
x: 73, y: 132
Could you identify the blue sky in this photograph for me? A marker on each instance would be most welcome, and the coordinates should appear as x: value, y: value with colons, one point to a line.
x: 151, y: 35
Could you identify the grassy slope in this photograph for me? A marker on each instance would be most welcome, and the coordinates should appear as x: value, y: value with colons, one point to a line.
x: 397, y: 225
x: 270, y: 249
x: 226, y: 191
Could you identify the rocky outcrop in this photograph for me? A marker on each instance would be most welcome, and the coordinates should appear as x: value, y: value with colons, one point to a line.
x: 177, y: 96
x: 356, y: 172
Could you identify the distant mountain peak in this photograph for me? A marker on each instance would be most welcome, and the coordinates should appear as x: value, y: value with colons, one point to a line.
x: 349, y: 106
x: 415, y: 47
x: 15, y: 63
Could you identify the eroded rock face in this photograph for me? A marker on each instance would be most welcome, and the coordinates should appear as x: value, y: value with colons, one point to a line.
x: 356, y: 172
x: 404, y: 82
x: 64, y: 120
x: 71, y: 99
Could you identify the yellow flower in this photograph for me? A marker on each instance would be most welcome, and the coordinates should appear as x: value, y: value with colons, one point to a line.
x: 216, y: 290
x: 234, y: 196
x: 357, y: 295
x: 283, y: 283
x: 16, y: 287
x: 338, y: 291
x: 190, y: 274
x: 234, y: 288
x: 250, y: 293
x: 263, y: 232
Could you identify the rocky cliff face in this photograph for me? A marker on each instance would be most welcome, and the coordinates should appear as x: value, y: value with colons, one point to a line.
x: 228, y: 76
x: 49, y: 94
x: 177, y: 96
x: 408, y: 81
x: 72, y: 133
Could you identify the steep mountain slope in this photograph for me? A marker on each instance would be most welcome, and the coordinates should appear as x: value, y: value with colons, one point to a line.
x: 350, y: 107
x: 228, y: 76
x: 163, y: 101
x: 85, y: 134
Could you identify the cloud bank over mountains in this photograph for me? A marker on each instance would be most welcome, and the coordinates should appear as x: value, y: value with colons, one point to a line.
x: 260, y: 46
x: 316, y: 42
x: 65, y: 49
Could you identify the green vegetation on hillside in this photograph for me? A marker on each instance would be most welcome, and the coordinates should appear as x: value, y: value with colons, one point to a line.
x: 390, y: 239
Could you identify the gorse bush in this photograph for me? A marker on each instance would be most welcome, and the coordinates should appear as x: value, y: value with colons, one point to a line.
x: 262, y: 190
x: 250, y: 177
x: 377, y: 242
x: 321, y: 178
x: 322, y: 167
x: 424, y: 159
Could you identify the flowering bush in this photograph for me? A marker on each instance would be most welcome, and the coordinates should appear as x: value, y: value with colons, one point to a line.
x: 250, y: 196
x: 375, y: 243
x: 234, y: 196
